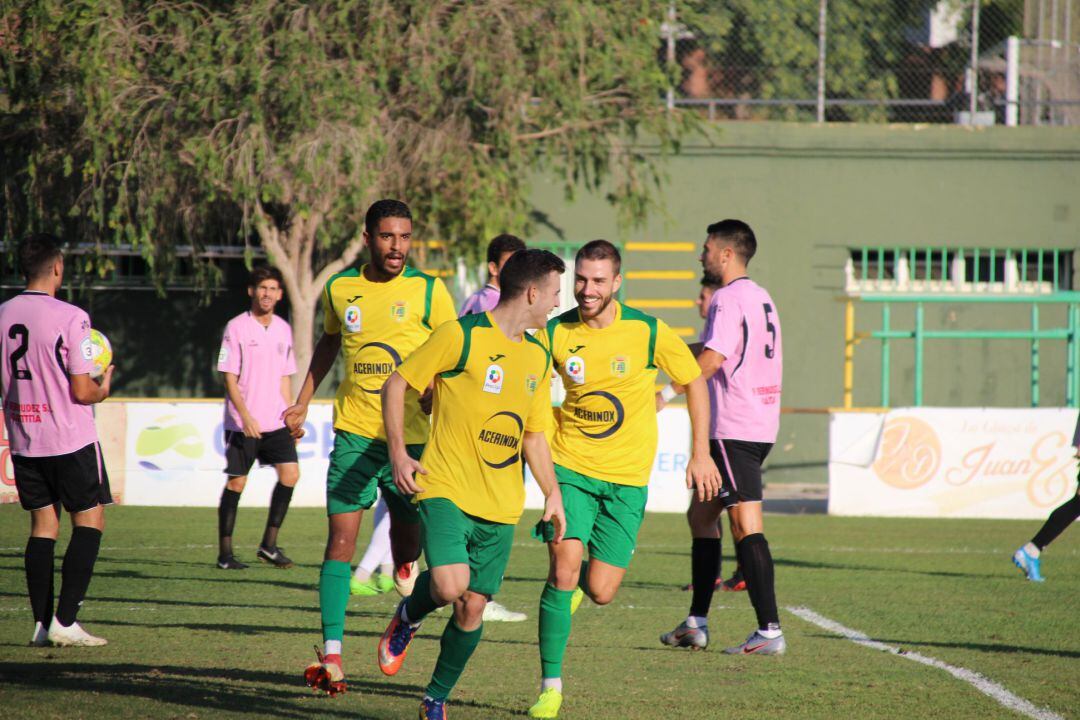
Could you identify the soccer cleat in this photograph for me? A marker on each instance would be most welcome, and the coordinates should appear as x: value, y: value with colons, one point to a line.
x: 326, y: 675
x: 494, y: 612
x: 758, y: 644
x: 41, y: 636
x: 548, y: 705
x: 229, y: 562
x: 1028, y: 564
x: 687, y: 637
x: 72, y: 636
x: 431, y: 709
x: 394, y: 644
x: 405, y: 578
x: 575, y: 599
x: 734, y: 584
x: 274, y: 556
x: 366, y: 588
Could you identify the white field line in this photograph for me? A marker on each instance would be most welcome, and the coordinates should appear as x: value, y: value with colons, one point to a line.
x: 979, y: 682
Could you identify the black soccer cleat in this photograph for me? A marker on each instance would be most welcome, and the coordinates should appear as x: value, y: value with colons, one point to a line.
x: 273, y: 556
x: 229, y: 562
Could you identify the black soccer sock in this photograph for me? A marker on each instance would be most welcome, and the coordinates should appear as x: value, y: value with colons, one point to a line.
x: 76, y: 572
x: 757, y: 567
x: 1060, y: 519
x: 704, y: 569
x: 39, y: 577
x: 737, y: 577
x: 279, y: 505
x: 226, y: 520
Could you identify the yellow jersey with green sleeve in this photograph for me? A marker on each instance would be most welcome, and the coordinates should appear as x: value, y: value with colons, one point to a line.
x: 380, y: 324
x: 606, y: 426
x: 489, y: 391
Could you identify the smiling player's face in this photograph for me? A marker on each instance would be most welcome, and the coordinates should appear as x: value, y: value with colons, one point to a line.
x: 595, y: 284
x: 389, y: 246
x: 265, y: 296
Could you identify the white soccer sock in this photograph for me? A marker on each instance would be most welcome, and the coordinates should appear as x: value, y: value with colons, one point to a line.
x: 770, y: 634
x: 379, y: 547
x: 1031, y: 550
x: 696, y: 621
x: 546, y: 683
x: 332, y: 647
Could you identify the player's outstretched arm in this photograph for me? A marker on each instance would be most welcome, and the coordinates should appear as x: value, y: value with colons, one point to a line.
x: 708, y: 360
x: 538, y: 455
x: 403, y: 466
x: 701, y: 472
x: 89, y: 392
x: 322, y: 359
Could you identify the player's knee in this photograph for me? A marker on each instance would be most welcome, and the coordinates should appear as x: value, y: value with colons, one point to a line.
x: 565, y: 578
x: 446, y: 590
x: 472, y: 609
x: 289, y: 475
x: 236, y: 483
x: 602, y: 595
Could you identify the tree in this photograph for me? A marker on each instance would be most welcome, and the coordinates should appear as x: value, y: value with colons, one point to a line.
x: 284, y: 119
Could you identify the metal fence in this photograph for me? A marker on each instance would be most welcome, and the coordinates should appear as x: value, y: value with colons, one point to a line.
x: 989, y: 62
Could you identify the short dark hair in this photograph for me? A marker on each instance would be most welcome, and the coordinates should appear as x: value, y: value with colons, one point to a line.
x: 600, y: 250
x: 384, y: 209
x: 261, y: 273
x: 37, y: 253
x: 504, y: 243
x: 711, y: 281
x: 526, y: 267
x: 738, y: 234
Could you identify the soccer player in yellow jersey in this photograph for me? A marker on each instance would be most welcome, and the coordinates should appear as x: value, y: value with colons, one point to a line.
x: 491, y: 405
x: 376, y: 315
x: 608, y: 356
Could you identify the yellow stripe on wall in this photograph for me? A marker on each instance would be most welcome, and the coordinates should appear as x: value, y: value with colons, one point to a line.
x: 655, y: 303
x: 661, y: 246
x: 660, y: 275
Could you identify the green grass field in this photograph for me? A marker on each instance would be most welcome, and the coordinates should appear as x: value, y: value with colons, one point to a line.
x: 189, y: 641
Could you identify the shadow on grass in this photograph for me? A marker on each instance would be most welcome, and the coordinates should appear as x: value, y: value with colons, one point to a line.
x: 236, y: 629
x: 252, y: 692
x: 231, y: 579
x: 984, y: 647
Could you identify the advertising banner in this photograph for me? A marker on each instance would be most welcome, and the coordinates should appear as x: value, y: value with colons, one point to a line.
x: 952, y: 462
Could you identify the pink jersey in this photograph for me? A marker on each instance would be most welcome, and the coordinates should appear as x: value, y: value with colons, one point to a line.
x: 480, y: 301
x: 744, y: 327
x: 42, y: 341
x: 259, y: 356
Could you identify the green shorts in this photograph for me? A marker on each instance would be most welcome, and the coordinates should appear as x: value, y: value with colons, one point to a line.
x: 450, y: 536
x: 359, y: 466
x: 604, y: 516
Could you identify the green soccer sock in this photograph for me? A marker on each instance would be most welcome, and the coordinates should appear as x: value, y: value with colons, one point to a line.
x: 455, y: 649
x: 334, y: 597
x: 420, y: 603
x: 554, y: 629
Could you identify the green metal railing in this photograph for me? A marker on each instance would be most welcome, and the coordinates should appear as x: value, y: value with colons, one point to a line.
x: 1050, y: 265
x: 919, y: 334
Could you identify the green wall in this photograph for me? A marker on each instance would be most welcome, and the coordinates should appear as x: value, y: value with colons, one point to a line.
x: 811, y: 193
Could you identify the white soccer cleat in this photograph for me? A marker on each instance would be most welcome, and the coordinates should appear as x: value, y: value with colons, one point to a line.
x: 72, y: 636
x: 41, y: 636
x: 494, y: 612
x: 405, y: 578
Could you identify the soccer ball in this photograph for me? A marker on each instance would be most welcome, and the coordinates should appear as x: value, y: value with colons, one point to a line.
x: 100, y: 353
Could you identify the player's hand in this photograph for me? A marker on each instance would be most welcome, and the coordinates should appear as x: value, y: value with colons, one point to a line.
x: 251, y: 427
x: 294, y: 417
x: 555, y: 514
x: 405, y: 469
x: 426, y: 400
x: 661, y: 403
x: 105, y: 381
x: 702, y: 475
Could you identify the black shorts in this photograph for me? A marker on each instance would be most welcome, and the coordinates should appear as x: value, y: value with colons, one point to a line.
x: 276, y: 447
x: 739, y: 462
x: 77, y: 479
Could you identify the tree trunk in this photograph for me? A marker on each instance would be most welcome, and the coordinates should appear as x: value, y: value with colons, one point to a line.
x: 303, y: 327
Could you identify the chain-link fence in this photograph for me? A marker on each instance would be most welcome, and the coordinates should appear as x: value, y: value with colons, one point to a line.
x: 943, y: 61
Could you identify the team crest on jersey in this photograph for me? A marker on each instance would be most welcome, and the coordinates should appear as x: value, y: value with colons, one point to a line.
x: 531, y: 383
x: 223, y: 354
x: 575, y: 368
x: 620, y: 365
x: 398, y: 310
x: 352, y: 319
x: 493, y: 379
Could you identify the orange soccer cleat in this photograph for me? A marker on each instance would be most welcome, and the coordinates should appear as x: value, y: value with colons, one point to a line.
x: 326, y: 675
